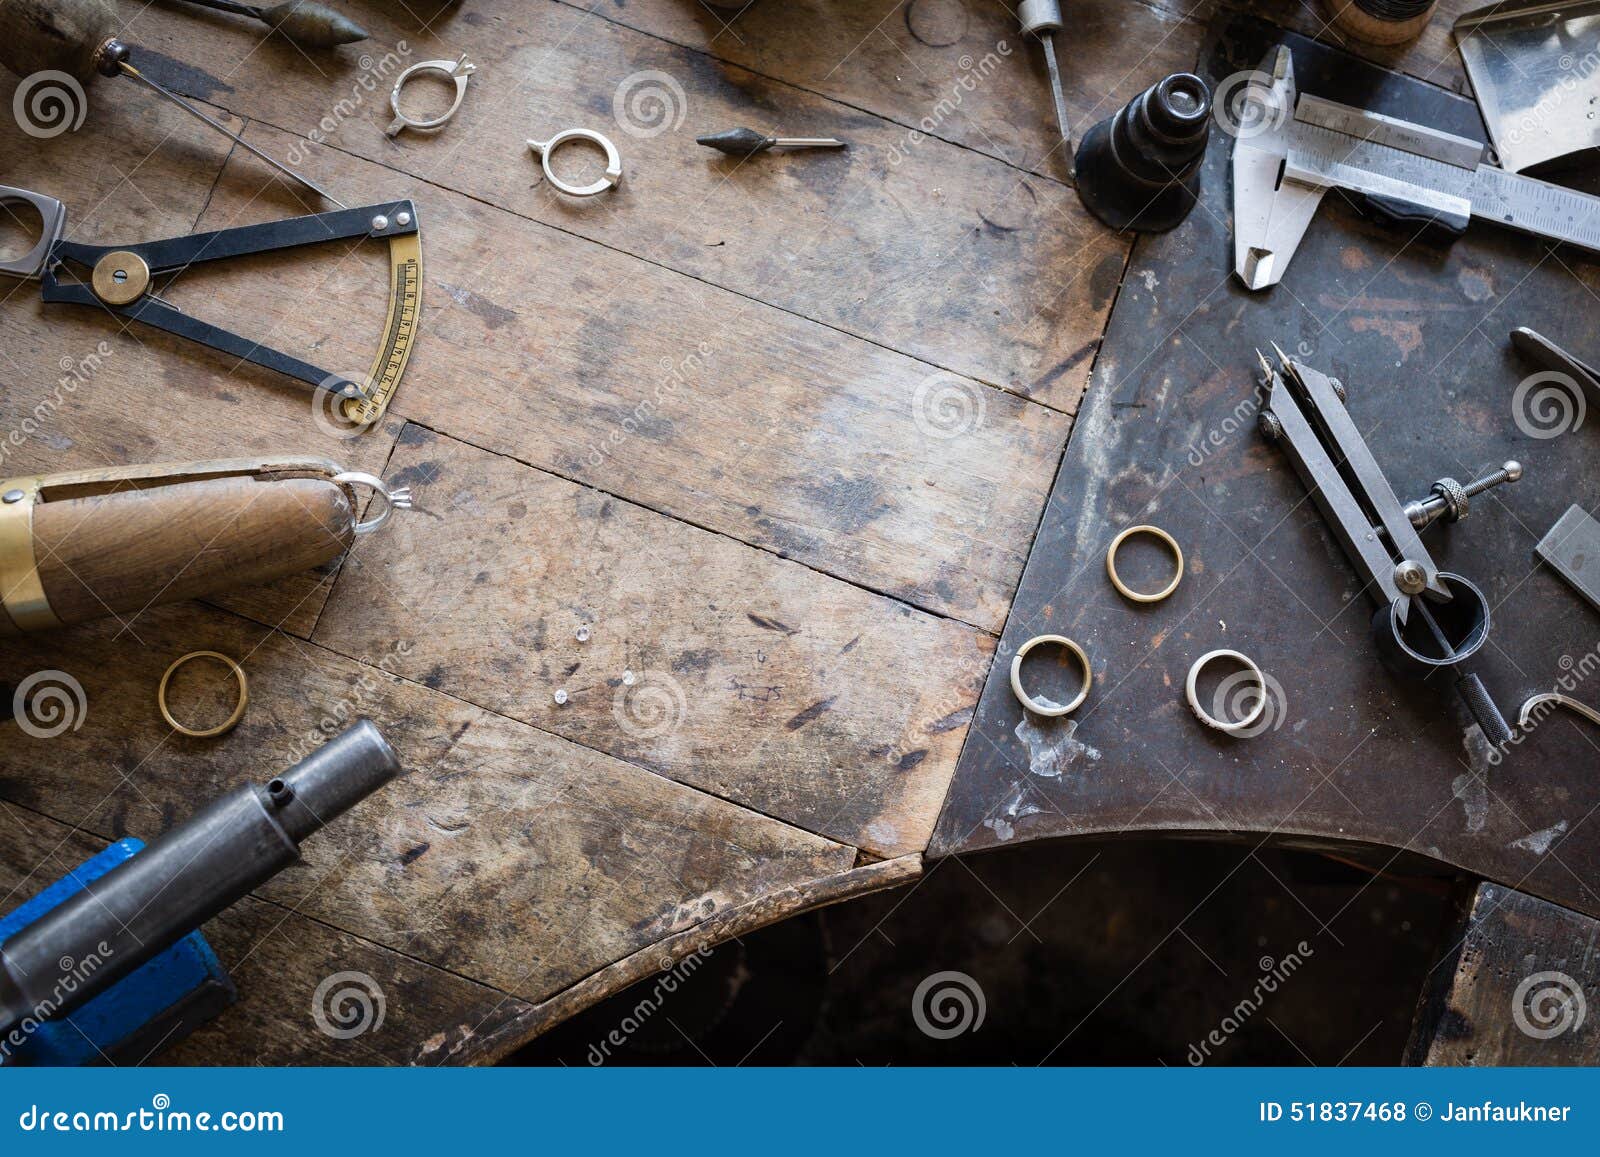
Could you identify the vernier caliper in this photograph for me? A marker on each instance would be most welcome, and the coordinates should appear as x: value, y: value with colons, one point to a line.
x: 1427, y: 620
x: 1293, y: 147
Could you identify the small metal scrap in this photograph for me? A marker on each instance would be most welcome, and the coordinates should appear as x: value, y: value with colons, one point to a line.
x: 607, y: 180
x: 1042, y: 19
x: 1572, y: 549
x: 455, y: 70
x: 742, y: 142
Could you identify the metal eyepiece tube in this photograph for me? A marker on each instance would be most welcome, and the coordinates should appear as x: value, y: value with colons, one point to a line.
x: 230, y: 847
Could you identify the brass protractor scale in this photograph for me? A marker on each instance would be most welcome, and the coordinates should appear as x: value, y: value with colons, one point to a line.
x: 121, y: 279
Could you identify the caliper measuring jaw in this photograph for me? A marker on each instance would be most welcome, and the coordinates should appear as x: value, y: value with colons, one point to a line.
x: 1270, y: 210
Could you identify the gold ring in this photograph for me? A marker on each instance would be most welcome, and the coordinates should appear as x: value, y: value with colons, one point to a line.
x: 227, y: 724
x: 1044, y: 706
x: 1122, y: 587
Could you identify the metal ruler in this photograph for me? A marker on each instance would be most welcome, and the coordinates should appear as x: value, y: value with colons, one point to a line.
x: 1332, y: 145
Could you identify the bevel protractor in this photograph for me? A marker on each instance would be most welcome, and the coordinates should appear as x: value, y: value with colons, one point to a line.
x: 121, y: 280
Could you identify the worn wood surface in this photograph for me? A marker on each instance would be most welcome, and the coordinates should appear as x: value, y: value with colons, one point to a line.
x: 778, y: 433
x: 505, y: 854
x: 1516, y: 985
x: 939, y: 252
x: 693, y: 640
x: 1349, y: 752
x: 646, y: 383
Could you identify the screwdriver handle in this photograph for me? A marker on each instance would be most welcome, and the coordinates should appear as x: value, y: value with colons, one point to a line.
x: 54, y: 35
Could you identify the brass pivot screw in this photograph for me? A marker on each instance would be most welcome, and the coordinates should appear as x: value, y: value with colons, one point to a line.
x: 120, y: 277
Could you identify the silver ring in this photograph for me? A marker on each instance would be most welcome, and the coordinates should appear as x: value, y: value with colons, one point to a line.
x: 608, y: 179
x: 398, y: 499
x: 1238, y: 727
x: 1044, y: 706
x: 456, y: 70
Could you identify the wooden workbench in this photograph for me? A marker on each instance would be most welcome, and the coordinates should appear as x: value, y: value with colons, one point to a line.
x: 780, y: 433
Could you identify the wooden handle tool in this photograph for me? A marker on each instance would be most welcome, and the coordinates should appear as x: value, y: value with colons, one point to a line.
x: 81, y: 545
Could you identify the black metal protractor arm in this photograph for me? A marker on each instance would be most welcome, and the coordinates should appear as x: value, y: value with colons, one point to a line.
x: 154, y: 312
x: 397, y: 218
x: 152, y: 259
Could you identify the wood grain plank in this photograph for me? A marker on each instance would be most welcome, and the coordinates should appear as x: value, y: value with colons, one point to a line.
x: 279, y: 959
x: 496, y: 1044
x: 503, y: 854
x: 1517, y: 986
x: 671, y: 393
x: 754, y: 678
x: 83, y: 389
x: 922, y: 64
x: 928, y: 248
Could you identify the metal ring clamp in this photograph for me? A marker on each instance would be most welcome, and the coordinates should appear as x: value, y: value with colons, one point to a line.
x: 1044, y: 706
x: 393, y: 500
x: 547, y: 149
x: 456, y: 70
x: 227, y: 724
x: 53, y: 221
x: 1238, y: 727
x: 1123, y: 588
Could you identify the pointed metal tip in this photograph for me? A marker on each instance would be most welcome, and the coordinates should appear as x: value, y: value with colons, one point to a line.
x: 1266, y: 366
x: 1283, y: 358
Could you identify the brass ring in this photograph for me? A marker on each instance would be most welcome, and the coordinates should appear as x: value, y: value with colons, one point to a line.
x: 227, y: 724
x: 1122, y: 587
x: 1044, y: 706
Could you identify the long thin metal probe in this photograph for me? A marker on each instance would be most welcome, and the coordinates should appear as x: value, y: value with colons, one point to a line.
x: 1049, y: 41
x: 129, y: 70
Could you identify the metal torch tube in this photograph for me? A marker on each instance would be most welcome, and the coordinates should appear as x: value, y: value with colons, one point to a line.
x: 138, y: 910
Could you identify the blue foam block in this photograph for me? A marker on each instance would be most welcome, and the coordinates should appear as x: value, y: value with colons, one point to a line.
x: 165, y: 997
